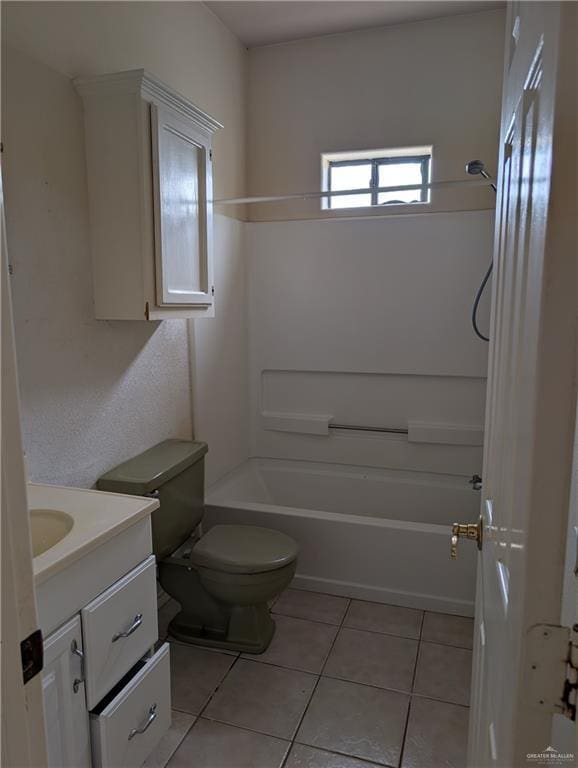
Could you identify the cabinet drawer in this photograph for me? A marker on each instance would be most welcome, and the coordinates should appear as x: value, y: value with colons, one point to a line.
x: 127, y: 726
x: 119, y: 626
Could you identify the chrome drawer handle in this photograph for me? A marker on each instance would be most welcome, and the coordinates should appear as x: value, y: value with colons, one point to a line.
x: 150, y: 719
x: 133, y: 628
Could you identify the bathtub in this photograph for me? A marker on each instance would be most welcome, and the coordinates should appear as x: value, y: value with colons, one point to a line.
x: 373, y: 534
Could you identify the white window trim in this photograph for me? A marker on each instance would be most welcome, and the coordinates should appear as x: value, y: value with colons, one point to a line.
x: 370, y: 154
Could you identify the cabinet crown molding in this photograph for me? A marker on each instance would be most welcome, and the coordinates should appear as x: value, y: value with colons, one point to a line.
x: 140, y: 82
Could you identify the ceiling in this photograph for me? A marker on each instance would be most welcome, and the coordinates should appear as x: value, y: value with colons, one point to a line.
x: 272, y: 21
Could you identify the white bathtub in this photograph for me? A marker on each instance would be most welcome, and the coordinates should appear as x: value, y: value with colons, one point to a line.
x: 373, y: 534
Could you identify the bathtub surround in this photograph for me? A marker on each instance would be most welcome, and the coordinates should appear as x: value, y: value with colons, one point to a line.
x: 367, y: 322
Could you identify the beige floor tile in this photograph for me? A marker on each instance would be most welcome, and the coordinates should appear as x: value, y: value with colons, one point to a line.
x: 309, y: 757
x: 314, y: 606
x: 437, y: 735
x: 263, y: 698
x: 181, y: 723
x: 389, y: 619
x: 450, y: 630
x: 356, y: 720
x: 374, y: 659
x: 166, y: 614
x: 443, y: 673
x: 195, y: 673
x: 214, y: 745
x: 298, y: 644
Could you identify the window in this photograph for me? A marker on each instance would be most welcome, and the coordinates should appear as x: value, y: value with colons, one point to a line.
x: 373, y: 170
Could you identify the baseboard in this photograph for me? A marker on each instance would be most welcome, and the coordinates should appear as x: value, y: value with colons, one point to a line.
x: 382, y: 595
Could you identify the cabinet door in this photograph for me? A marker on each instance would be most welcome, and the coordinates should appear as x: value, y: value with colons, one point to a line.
x: 65, y: 708
x: 182, y: 187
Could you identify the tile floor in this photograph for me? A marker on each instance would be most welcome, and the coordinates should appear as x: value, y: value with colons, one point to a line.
x: 344, y: 684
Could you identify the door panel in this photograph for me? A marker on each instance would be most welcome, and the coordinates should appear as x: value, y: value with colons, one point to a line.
x: 181, y: 210
x: 531, y: 390
x: 64, y: 700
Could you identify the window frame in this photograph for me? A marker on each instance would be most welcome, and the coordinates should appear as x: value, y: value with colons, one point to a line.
x: 376, y: 162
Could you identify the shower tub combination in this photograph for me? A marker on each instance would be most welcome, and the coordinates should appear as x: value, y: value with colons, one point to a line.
x: 372, y: 534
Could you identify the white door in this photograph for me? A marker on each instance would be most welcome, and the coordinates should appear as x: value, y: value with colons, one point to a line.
x: 518, y: 653
x: 22, y: 723
x: 67, y: 729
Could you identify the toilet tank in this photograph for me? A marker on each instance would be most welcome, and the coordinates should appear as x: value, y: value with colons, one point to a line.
x: 173, y: 470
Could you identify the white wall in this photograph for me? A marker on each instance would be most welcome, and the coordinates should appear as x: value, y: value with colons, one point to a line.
x: 183, y: 43
x: 432, y: 82
x: 368, y: 321
x: 93, y: 392
x: 220, y: 358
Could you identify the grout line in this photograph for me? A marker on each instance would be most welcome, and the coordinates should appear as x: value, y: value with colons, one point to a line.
x: 245, y: 728
x: 210, y: 698
x: 346, y: 754
x: 180, y: 741
x: 447, y: 645
x: 301, y: 618
x: 302, y: 718
x: 440, y: 701
x: 405, y: 730
x: 383, y: 634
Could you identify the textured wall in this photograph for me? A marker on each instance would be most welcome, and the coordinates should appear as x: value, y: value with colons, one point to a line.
x: 93, y: 392
x: 97, y: 392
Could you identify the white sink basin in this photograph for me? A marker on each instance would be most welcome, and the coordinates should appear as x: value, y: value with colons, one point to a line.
x: 48, y: 527
x: 82, y: 542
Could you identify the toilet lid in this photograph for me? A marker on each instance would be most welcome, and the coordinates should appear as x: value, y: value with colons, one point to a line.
x: 244, y: 549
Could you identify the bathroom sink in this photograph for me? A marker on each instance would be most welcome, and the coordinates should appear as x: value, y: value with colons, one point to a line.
x: 48, y: 527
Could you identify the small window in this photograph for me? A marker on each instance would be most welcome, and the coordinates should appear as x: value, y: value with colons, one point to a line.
x: 373, y: 170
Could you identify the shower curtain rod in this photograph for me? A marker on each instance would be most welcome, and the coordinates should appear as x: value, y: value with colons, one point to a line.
x: 340, y: 192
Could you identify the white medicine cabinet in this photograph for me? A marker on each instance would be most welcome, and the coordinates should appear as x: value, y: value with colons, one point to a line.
x: 149, y: 167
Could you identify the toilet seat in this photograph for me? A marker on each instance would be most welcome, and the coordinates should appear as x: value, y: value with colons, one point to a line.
x: 244, y: 549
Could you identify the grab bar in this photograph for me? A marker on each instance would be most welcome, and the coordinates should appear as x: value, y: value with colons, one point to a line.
x: 356, y: 428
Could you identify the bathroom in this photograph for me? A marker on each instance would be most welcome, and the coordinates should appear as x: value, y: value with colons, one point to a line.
x: 335, y: 378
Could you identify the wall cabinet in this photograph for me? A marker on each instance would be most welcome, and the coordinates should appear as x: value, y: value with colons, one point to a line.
x: 149, y: 167
x: 106, y: 687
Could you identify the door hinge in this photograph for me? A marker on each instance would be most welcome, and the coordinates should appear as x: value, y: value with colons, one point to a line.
x: 552, y: 668
x: 210, y: 154
x: 32, y: 654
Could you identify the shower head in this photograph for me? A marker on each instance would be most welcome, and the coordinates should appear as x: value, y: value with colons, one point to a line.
x: 478, y: 168
x: 475, y: 167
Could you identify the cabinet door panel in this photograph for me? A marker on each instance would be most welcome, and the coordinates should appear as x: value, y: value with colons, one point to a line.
x: 181, y: 210
x: 64, y: 701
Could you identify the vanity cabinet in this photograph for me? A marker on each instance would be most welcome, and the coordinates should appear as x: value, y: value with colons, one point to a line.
x: 149, y: 167
x: 106, y: 684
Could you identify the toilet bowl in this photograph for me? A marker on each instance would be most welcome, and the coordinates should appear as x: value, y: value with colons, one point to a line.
x: 223, y: 579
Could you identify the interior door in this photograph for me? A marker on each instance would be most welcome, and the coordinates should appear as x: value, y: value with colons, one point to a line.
x: 22, y: 714
x: 531, y: 393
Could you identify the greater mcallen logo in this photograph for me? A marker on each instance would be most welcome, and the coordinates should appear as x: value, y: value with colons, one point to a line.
x: 550, y: 756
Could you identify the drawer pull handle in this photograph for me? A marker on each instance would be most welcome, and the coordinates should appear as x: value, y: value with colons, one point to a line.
x: 133, y: 628
x: 152, y: 716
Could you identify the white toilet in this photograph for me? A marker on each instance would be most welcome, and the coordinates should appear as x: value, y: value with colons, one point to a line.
x: 224, y: 579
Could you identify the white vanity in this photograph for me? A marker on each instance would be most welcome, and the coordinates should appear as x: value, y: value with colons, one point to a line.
x: 106, y: 682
